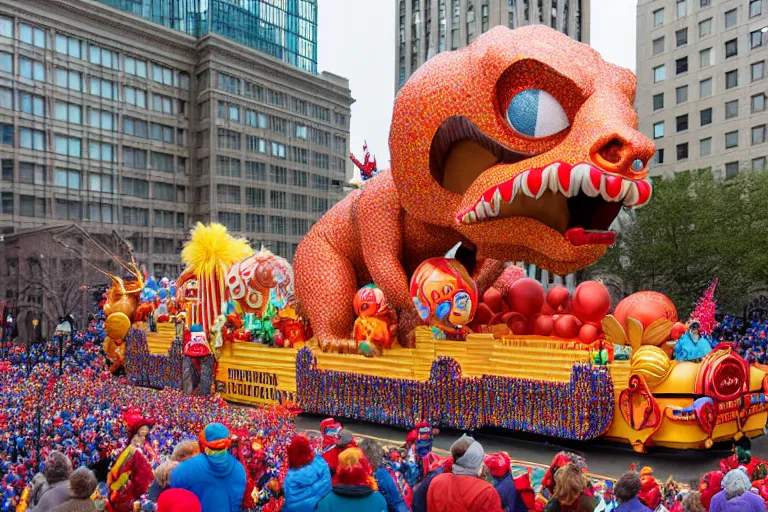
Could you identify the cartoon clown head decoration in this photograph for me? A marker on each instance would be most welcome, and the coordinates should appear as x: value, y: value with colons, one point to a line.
x: 444, y: 293
x: 369, y: 301
x: 196, y: 343
x: 252, y: 281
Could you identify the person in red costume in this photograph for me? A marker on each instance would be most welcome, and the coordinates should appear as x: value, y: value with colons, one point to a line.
x: 742, y: 456
x: 131, y: 474
x: 711, y: 484
x: 650, y: 492
x: 335, y: 441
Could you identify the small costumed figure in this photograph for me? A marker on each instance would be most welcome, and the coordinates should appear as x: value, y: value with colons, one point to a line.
x: 692, y: 346
x: 650, y: 492
x: 197, y: 367
x: 376, y: 326
x: 131, y: 474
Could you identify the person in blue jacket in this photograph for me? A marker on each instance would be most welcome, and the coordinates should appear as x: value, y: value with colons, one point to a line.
x: 501, y: 471
x: 626, y: 490
x: 387, y: 486
x: 433, y: 466
x: 308, y: 479
x: 692, y: 346
x: 215, y: 476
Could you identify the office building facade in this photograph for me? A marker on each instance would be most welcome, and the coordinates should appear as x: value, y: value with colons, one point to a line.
x: 428, y: 27
x: 702, y: 84
x: 115, y: 122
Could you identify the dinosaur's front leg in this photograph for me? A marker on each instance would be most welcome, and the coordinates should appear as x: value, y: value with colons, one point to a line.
x: 325, y: 286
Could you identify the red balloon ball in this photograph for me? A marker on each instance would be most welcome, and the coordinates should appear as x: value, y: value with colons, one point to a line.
x: 526, y: 296
x: 591, y: 301
x: 493, y: 298
x: 677, y: 331
x: 567, y: 326
x: 516, y: 323
x: 543, y: 325
x: 588, y: 334
x: 557, y: 297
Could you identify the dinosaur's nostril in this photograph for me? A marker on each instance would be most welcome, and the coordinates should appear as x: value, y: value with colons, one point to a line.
x: 613, y: 151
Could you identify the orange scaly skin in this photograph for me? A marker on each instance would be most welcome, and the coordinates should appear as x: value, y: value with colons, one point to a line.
x: 403, y: 216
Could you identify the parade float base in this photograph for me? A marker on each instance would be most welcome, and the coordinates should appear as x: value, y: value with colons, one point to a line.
x: 540, y: 385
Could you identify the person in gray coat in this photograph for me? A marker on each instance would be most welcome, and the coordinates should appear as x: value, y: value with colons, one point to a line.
x: 57, y: 470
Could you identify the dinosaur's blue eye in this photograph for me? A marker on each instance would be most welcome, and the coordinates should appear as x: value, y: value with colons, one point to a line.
x: 536, y: 113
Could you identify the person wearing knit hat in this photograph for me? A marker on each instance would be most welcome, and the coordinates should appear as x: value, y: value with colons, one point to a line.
x: 345, y: 440
x: 650, y: 493
x: 215, y: 476
x: 178, y: 500
x: 463, y: 489
x: 385, y: 480
x: 82, y: 484
x: 354, y: 488
x: 57, y: 469
x: 499, y: 466
x: 308, y: 478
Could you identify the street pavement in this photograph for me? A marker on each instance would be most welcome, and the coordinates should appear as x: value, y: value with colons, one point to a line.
x: 603, y: 458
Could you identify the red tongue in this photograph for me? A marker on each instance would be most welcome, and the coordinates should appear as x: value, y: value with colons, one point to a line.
x: 577, y: 237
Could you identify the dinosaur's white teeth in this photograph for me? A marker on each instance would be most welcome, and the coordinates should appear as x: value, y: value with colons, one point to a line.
x: 480, y: 210
x: 472, y: 217
x: 632, y: 196
x: 587, y: 185
x: 524, y: 184
x: 553, y: 177
x: 574, y: 183
x: 515, y: 188
x: 495, y: 203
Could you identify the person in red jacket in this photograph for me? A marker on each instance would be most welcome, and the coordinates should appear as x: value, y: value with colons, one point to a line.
x: 464, y: 489
x: 711, y: 484
x: 650, y: 492
x: 131, y: 474
x: 331, y: 457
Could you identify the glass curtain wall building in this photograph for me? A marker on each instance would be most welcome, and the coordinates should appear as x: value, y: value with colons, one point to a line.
x: 284, y: 29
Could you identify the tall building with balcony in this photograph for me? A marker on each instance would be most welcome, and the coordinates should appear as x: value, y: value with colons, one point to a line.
x: 702, y: 83
x: 145, y: 116
x: 428, y: 27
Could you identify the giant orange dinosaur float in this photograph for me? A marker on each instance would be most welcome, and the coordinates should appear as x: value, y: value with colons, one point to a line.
x: 522, y: 146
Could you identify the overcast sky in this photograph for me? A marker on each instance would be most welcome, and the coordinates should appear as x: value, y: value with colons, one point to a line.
x: 356, y: 40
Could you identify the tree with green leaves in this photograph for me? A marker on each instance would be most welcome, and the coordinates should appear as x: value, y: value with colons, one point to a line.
x: 695, y: 229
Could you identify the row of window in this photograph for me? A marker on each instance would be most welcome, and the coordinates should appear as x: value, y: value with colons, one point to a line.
x: 73, y: 113
x: 705, y: 144
x: 731, y: 168
x: 32, y: 206
x: 95, y: 54
x: 257, y: 223
x: 256, y: 171
x: 730, y: 17
x: 705, y: 115
x: 257, y: 198
x: 756, y: 72
x: 66, y: 145
x: 291, y: 129
x: 232, y: 140
x: 256, y: 92
x: 731, y: 47
x: 107, y: 89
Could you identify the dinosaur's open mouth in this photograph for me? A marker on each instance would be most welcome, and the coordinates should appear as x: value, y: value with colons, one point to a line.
x: 579, y: 201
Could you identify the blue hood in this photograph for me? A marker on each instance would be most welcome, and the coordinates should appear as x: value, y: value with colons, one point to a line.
x: 307, y: 485
x: 221, y: 464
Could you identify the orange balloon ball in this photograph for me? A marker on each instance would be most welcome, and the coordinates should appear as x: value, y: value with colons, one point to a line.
x: 667, y: 310
x: 591, y: 301
x: 526, y: 296
x: 567, y: 326
x: 588, y: 334
x: 557, y: 297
